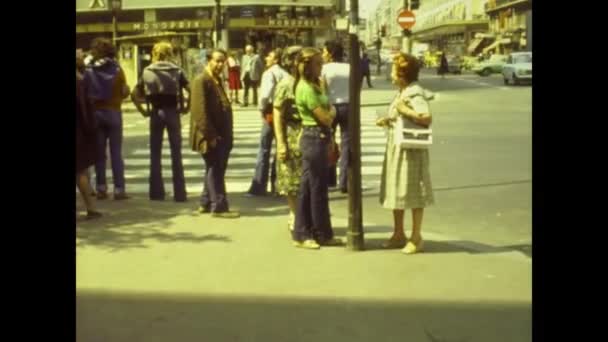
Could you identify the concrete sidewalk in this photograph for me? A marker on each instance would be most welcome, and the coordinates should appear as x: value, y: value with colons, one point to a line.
x: 156, y: 271
x: 150, y: 271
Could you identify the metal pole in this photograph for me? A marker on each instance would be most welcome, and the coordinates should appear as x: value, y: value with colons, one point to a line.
x: 408, y: 32
x: 354, y: 235
x: 218, y: 23
x: 114, y: 27
x: 378, y: 45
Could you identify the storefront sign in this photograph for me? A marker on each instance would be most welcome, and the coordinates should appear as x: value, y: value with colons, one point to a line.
x: 247, y: 12
x: 294, y: 23
x: 173, y: 25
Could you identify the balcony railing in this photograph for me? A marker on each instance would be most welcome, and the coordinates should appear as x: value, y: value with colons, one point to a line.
x: 490, y: 5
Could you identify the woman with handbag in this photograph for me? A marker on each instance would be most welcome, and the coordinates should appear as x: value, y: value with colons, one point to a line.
x: 313, y: 224
x: 406, y: 180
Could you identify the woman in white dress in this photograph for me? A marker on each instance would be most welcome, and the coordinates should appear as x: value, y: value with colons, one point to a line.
x: 406, y: 180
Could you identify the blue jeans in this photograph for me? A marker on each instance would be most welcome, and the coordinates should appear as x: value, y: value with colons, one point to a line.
x: 159, y: 119
x: 312, y: 210
x: 342, y: 112
x: 259, y: 183
x: 109, y: 129
x: 214, y: 188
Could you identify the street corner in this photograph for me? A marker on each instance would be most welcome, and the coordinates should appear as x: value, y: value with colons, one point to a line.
x: 174, y: 220
x: 137, y: 210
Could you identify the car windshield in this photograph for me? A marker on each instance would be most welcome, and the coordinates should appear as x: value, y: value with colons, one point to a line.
x: 522, y: 59
x: 497, y: 59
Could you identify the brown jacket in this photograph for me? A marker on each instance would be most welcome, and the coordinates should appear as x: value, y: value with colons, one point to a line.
x: 210, y: 112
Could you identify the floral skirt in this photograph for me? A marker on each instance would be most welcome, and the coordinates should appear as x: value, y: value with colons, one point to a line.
x: 289, y: 171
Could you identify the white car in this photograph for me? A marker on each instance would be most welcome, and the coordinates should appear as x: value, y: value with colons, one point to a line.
x: 518, y: 68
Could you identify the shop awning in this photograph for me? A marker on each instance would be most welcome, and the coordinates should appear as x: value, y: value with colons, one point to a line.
x: 494, y: 45
x: 474, y: 45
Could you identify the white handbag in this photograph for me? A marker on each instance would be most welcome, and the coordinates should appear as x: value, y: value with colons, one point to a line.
x: 409, y: 135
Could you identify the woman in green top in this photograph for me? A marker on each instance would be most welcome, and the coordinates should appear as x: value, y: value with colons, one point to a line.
x: 313, y: 225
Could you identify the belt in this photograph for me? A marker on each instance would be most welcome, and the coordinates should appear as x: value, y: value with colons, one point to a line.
x: 323, y: 132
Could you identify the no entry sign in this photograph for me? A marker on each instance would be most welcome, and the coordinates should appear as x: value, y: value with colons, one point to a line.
x: 406, y: 19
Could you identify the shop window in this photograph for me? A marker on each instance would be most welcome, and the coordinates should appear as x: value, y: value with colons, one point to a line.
x: 93, y: 17
x: 130, y: 16
x: 175, y: 14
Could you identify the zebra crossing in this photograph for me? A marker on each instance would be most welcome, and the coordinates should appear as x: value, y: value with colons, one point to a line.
x: 241, y: 165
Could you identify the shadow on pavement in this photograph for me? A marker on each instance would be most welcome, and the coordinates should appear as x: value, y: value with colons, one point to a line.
x: 137, y: 222
x: 137, y: 317
x: 434, y: 246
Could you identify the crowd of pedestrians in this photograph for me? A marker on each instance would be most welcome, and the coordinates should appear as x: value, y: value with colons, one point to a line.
x: 303, y: 99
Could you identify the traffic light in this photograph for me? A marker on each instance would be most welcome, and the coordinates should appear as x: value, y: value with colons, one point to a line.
x: 414, y: 4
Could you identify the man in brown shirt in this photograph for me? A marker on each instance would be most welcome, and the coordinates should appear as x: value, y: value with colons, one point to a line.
x: 211, y: 133
x: 106, y: 89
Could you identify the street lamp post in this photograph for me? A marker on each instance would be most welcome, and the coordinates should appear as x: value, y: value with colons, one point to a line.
x: 115, y: 6
x: 354, y: 235
x: 218, y: 23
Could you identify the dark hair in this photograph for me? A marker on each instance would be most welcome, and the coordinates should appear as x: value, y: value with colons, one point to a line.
x: 278, y: 55
x: 335, y: 50
x: 408, y: 67
x: 102, y: 48
x: 211, y: 51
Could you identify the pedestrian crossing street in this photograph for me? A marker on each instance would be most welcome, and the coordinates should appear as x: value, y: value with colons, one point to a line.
x: 241, y: 165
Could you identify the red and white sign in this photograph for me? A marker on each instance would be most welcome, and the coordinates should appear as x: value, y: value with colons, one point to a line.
x: 406, y: 19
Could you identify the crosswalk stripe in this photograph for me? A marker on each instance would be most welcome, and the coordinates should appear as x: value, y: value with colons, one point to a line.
x: 231, y: 172
x: 241, y: 165
x: 241, y: 151
x: 196, y: 188
x: 232, y: 161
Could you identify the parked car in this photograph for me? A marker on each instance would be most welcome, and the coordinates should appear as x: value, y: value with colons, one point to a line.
x: 493, y: 65
x: 518, y: 68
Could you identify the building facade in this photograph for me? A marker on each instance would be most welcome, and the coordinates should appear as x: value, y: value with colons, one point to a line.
x: 511, y: 24
x: 441, y: 25
x: 276, y: 23
x: 456, y: 27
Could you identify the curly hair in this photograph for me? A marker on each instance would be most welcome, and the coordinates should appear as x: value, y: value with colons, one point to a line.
x: 162, y: 51
x: 303, y: 62
x: 102, y: 48
x: 406, y: 66
x: 335, y: 49
x: 289, y: 57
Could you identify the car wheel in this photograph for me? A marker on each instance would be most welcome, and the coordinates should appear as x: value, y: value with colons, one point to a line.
x: 486, y: 72
x: 515, y: 79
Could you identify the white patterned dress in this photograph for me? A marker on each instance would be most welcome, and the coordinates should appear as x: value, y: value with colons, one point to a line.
x: 406, y: 178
